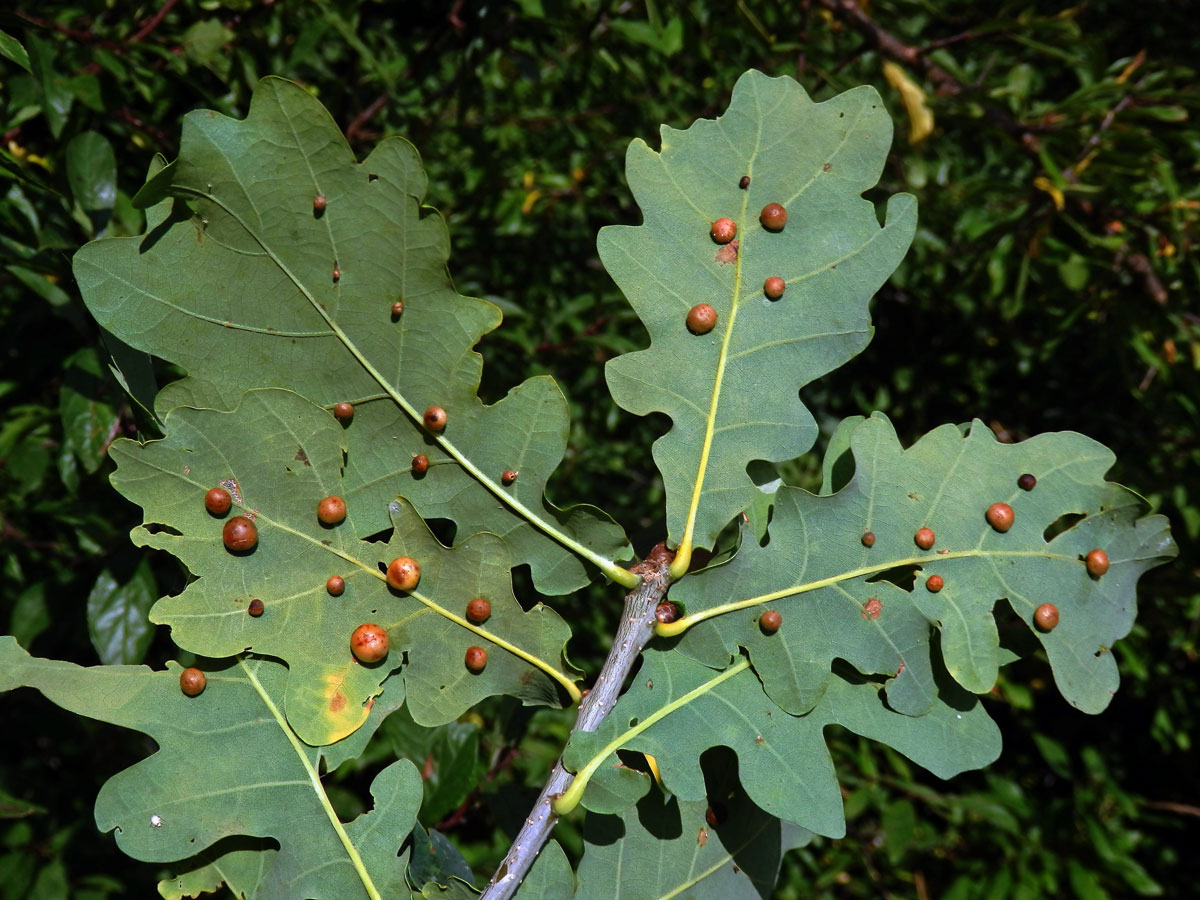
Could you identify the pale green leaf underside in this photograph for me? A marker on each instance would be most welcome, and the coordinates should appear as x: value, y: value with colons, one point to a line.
x: 280, y: 455
x: 665, y: 847
x: 816, y: 571
x: 204, y: 784
x: 732, y: 394
x: 238, y: 287
x: 783, y: 762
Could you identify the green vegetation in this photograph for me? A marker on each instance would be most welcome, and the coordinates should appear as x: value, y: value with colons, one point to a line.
x: 1053, y: 157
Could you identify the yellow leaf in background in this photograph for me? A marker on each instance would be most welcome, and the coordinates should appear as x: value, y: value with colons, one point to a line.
x: 920, y: 119
x: 653, y: 764
x: 1042, y: 183
x: 530, y: 199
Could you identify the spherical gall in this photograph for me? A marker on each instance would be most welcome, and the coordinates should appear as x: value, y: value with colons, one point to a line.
x: 343, y: 411
x: 701, y: 319
x: 420, y: 464
x: 744, y: 182
x: 723, y: 231
x: 240, y: 534
x: 508, y: 476
x: 1097, y: 563
x: 479, y: 610
x: 924, y: 538
x: 397, y: 309
x: 1046, y: 616
x: 331, y: 511
x: 868, y: 539
x: 435, y: 418
x: 934, y: 583
x: 217, y: 501
x: 770, y: 621
x: 192, y: 681
x: 336, y: 585
x: 475, y: 658
x: 773, y: 217
x: 319, y: 204
x: 773, y: 287
x: 369, y: 643
x: 255, y: 608
x: 666, y: 612
x: 403, y: 573
x: 1027, y: 482
x: 1000, y: 516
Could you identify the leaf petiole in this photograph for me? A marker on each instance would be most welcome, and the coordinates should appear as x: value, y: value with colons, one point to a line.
x: 569, y: 799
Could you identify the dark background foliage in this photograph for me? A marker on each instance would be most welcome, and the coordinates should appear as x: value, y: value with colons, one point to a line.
x: 1051, y: 286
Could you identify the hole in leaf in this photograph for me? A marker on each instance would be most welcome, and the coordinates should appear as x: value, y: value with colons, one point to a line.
x: 159, y: 528
x: 1063, y: 523
x: 903, y: 577
x: 633, y: 722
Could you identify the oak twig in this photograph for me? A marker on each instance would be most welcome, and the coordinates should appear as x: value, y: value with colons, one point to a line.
x: 634, y: 631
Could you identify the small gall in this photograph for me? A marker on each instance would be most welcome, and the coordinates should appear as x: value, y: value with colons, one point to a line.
x: 868, y: 539
x: 337, y: 273
x: 217, y: 501
x: 336, y: 585
x: 240, y: 535
x: 770, y: 621
x: 773, y: 287
x: 1000, y: 516
x: 479, y: 610
x: 934, y: 583
x: 318, y: 204
x: 192, y: 681
x: 475, y: 659
x: 723, y: 231
x: 403, y: 573
x: 701, y: 319
x: 924, y: 538
x: 397, y: 309
x: 1045, y: 617
x: 255, y: 608
x: 744, y: 182
x: 508, y: 476
x: 1027, y: 482
x: 1097, y: 563
x: 369, y: 643
x: 435, y: 418
x: 343, y: 412
x: 331, y: 511
x: 773, y: 217
x: 666, y: 612
x: 420, y: 464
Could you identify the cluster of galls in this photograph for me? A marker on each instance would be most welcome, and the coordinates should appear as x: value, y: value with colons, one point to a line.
x: 702, y: 318
x: 1001, y: 517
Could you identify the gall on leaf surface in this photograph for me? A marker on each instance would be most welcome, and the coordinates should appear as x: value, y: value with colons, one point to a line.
x: 203, y: 785
x: 733, y: 393
x: 678, y: 708
x: 234, y: 283
x: 283, y: 454
x: 818, y: 574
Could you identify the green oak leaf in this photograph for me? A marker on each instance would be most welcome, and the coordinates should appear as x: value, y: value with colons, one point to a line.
x: 228, y: 764
x: 279, y: 455
x: 678, y: 708
x: 732, y: 394
x: 550, y: 877
x: 246, y: 284
x: 721, y: 848
x: 817, y: 573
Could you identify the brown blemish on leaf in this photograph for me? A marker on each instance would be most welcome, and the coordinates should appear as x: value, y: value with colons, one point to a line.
x: 901, y: 669
x: 301, y: 456
x: 826, y: 167
x: 727, y: 253
x: 873, y: 608
x: 337, y: 702
x: 702, y: 839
